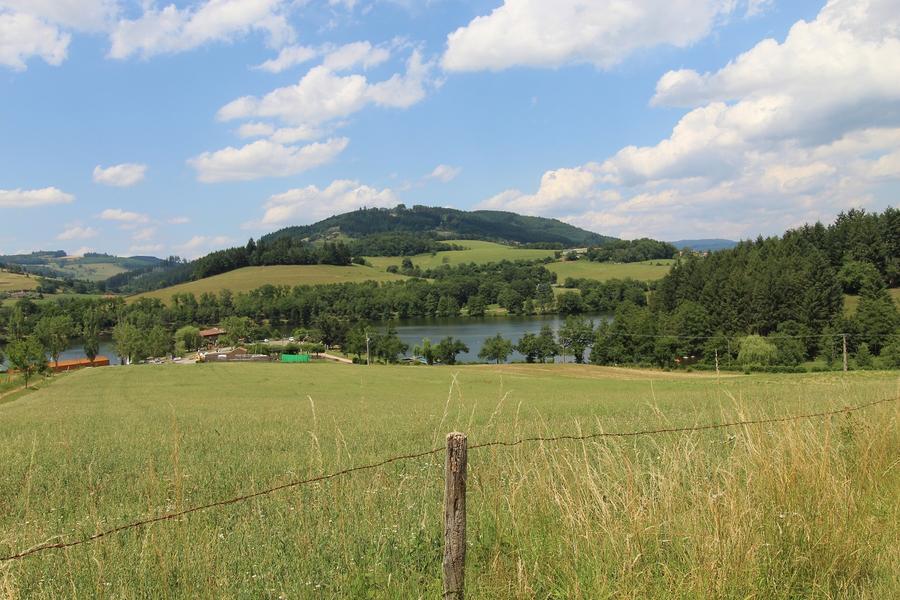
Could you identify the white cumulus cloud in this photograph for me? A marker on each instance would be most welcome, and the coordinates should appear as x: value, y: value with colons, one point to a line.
x: 289, y: 56
x: 42, y: 28
x: 322, y: 95
x: 171, y: 29
x: 349, y: 56
x: 255, y: 129
x: 203, y: 244
x: 551, y: 33
x: 310, y: 204
x: 23, y: 36
x: 124, y: 216
x: 788, y: 132
x: 77, y: 232
x: 123, y: 175
x: 264, y: 158
x: 80, y: 15
x: 445, y: 173
x: 20, y: 198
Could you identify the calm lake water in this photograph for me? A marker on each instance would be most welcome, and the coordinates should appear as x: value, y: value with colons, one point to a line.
x: 472, y: 331
x: 74, y: 351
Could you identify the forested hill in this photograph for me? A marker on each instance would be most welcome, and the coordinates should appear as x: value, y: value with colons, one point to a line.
x: 446, y: 223
x: 788, y: 288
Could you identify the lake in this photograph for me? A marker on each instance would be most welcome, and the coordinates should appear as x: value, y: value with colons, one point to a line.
x: 472, y: 331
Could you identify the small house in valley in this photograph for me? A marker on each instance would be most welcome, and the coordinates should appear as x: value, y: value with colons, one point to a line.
x: 211, y: 336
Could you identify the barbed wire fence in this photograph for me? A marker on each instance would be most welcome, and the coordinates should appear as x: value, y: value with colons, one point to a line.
x: 455, y: 469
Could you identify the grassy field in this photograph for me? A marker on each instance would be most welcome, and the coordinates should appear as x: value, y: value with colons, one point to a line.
x: 89, y: 271
x: 583, y: 269
x: 249, y: 278
x: 475, y: 252
x: 783, y: 510
x: 13, y: 282
x: 852, y: 302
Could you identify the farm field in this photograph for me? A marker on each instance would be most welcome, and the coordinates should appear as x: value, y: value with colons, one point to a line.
x: 476, y: 252
x: 90, y: 268
x: 13, y: 282
x: 781, y: 510
x: 851, y: 303
x: 87, y: 270
x: 649, y: 270
x: 250, y: 278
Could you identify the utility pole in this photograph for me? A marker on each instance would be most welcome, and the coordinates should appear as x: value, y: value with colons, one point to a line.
x: 368, y: 357
x: 844, y: 338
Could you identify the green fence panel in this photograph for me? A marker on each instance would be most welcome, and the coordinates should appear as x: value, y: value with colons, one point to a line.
x: 295, y: 358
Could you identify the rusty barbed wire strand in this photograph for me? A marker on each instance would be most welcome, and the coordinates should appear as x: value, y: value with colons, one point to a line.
x: 219, y: 503
x: 619, y: 434
x: 291, y: 484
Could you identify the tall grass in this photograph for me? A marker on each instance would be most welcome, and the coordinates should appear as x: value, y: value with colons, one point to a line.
x: 797, y: 509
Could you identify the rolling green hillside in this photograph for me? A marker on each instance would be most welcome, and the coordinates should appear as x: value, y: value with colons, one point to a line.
x: 91, y: 267
x: 475, y: 252
x: 250, y: 278
x: 446, y: 223
x: 14, y: 282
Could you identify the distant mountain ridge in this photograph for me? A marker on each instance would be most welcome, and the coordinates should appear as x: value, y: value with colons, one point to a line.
x: 705, y: 245
x: 445, y: 223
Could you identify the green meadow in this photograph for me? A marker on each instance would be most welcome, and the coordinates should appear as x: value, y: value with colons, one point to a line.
x: 250, y: 278
x: 648, y: 270
x: 475, y: 252
x: 14, y: 282
x: 806, y: 508
x: 851, y: 303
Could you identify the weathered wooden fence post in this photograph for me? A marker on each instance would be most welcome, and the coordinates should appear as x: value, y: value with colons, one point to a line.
x: 455, y: 516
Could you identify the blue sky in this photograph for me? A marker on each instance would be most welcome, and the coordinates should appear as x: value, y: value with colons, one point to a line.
x: 157, y: 128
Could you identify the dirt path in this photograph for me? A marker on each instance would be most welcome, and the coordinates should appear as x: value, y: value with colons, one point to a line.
x: 339, y: 359
x: 11, y: 392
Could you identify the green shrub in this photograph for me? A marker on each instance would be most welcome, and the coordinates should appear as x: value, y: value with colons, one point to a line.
x: 756, y: 351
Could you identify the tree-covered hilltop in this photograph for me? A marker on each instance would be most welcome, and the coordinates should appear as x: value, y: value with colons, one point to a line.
x: 446, y: 223
x: 786, y: 290
x: 626, y: 251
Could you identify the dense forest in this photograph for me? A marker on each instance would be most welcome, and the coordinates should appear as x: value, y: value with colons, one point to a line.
x: 788, y: 291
